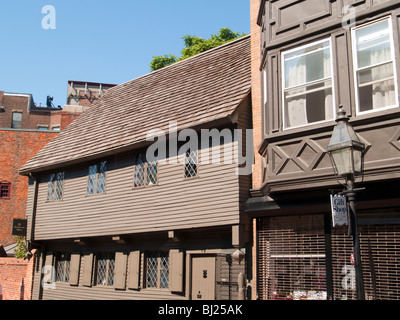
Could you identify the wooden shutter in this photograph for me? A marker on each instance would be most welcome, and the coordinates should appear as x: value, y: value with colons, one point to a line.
x: 120, y: 270
x: 134, y: 270
x: 87, y: 270
x: 48, y: 263
x: 176, y: 270
x: 74, y: 269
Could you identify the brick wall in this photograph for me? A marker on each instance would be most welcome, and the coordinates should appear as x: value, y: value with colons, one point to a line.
x: 256, y: 91
x: 16, y: 148
x: 16, y: 278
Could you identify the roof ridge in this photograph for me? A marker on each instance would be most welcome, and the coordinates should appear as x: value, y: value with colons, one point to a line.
x: 185, y: 60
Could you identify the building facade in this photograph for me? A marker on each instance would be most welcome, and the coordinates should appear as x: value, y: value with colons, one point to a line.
x: 110, y: 221
x: 313, y: 57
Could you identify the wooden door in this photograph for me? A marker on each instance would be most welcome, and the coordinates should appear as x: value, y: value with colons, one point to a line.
x: 203, y: 278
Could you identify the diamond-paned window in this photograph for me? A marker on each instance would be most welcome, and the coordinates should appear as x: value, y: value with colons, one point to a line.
x: 152, y: 173
x: 55, y: 186
x: 157, y: 270
x: 91, y: 188
x: 146, y: 173
x: 63, y: 262
x: 140, y: 171
x: 101, y: 180
x: 164, y: 270
x: 152, y: 270
x: 97, y: 178
x: 191, y: 164
x: 105, y: 269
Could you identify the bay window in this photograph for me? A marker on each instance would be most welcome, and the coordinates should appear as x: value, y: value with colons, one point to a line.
x: 373, y: 55
x: 307, y: 81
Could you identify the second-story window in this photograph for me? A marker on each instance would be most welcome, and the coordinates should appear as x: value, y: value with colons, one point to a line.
x: 373, y: 51
x: 55, y: 186
x: 97, y: 178
x: 307, y: 84
x: 191, y: 164
x: 146, y: 173
x: 16, y: 120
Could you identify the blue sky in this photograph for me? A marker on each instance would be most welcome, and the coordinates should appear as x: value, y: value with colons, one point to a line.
x: 100, y: 41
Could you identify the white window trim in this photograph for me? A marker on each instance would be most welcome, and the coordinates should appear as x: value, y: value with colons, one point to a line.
x: 332, y: 77
x: 356, y: 69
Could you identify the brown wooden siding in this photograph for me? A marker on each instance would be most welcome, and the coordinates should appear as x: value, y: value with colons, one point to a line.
x: 211, y: 199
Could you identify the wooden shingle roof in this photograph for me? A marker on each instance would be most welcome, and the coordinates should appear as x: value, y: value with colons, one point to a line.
x: 201, y: 89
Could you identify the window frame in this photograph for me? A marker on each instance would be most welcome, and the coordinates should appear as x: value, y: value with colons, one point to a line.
x: 145, y: 170
x: 356, y: 69
x: 8, y: 185
x: 57, y: 184
x: 96, y: 178
x: 159, y: 255
x: 284, y: 89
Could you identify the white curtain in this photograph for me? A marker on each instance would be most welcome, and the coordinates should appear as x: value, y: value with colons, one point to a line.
x: 296, y: 107
x: 298, y: 72
x: 374, y: 48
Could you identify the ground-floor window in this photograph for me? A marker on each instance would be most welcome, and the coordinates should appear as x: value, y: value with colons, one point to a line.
x: 157, y: 270
x: 105, y: 264
x: 296, y: 256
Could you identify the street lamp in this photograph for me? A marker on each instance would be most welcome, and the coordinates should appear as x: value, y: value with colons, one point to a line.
x: 347, y: 156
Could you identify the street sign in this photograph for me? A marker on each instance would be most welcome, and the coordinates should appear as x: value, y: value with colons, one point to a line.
x: 339, y: 210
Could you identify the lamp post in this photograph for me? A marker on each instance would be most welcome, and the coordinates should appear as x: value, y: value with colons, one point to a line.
x: 347, y: 156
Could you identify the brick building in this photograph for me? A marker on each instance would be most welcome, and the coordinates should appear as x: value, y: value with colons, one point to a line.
x: 25, y: 128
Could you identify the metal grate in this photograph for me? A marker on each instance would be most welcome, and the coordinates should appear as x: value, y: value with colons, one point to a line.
x: 295, y: 258
x: 380, y: 256
x: 292, y: 260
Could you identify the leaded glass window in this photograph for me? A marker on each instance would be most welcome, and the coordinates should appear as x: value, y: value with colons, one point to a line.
x: 55, y: 186
x: 191, y: 164
x: 105, y: 269
x: 157, y: 270
x: 97, y: 178
x: 63, y: 262
x: 146, y: 173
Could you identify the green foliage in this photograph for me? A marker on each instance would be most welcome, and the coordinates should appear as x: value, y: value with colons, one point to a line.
x: 162, y: 61
x: 20, y: 250
x: 195, y: 45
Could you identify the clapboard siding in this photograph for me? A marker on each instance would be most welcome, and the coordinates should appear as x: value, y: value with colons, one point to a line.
x: 211, y: 199
x: 64, y: 291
